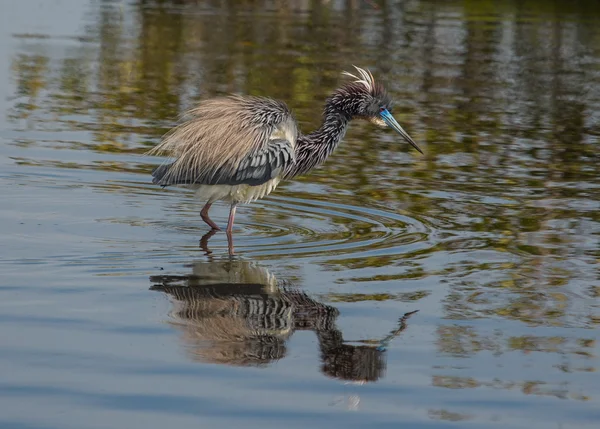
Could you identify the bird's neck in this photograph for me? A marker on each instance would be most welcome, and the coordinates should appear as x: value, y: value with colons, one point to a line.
x: 314, y: 148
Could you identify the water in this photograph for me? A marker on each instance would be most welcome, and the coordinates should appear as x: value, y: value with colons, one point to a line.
x: 113, y: 313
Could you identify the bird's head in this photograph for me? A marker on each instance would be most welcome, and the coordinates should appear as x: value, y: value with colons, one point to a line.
x: 366, y: 99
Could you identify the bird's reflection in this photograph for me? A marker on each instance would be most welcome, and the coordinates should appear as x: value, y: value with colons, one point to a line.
x: 235, y: 312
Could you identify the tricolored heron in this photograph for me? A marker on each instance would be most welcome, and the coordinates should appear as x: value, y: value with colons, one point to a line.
x: 238, y: 148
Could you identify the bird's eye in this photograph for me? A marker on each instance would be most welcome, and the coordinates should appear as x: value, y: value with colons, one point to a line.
x: 382, y: 109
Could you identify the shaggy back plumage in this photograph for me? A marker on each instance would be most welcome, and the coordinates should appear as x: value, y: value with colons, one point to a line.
x: 220, y: 134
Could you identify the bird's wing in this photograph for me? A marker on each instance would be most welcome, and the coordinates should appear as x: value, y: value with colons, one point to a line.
x: 230, y: 140
x: 257, y: 168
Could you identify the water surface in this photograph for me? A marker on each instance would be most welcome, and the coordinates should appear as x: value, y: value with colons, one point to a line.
x: 115, y: 313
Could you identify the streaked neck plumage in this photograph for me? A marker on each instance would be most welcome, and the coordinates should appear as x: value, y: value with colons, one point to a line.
x: 314, y: 148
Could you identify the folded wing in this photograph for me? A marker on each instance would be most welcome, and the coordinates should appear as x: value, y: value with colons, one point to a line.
x: 257, y: 168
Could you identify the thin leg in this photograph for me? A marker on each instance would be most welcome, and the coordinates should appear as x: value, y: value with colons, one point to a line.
x: 208, y: 220
x: 230, y: 244
x: 230, y: 228
x: 231, y: 217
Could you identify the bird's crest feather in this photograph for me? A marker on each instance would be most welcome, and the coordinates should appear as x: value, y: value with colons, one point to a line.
x: 365, y: 78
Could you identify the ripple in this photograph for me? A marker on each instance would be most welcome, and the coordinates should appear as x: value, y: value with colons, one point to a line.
x: 308, y: 227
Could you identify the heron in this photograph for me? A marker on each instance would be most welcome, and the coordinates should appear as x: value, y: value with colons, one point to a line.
x: 239, y: 148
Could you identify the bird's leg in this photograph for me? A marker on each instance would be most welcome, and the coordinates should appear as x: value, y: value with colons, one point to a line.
x: 205, y: 218
x: 230, y: 228
x: 230, y: 244
x: 231, y: 217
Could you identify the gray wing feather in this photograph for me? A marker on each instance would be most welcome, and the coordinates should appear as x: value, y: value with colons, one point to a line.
x: 257, y: 168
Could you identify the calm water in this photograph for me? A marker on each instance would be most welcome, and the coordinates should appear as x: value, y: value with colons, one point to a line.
x: 114, y: 314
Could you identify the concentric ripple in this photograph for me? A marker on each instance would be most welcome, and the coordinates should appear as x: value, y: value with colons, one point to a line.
x: 282, y: 225
x: 307, y: 225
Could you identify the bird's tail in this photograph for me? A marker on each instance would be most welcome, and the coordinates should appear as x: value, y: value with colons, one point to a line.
x: 159, y: 173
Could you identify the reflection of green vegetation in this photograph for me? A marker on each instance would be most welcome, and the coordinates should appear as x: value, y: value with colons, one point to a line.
x: 527, y: 387
x: 357, y: 297
x: 448, y: 415
x: 501, y: 98
x: 30, y: 71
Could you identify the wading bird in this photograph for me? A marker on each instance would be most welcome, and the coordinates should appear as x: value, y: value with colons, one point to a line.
x: 238, y: 148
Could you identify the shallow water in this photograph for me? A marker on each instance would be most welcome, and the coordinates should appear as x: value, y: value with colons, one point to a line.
x: 114, y: 312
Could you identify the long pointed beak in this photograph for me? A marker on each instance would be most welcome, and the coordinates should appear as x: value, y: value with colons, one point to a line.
x: 392, y: 123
